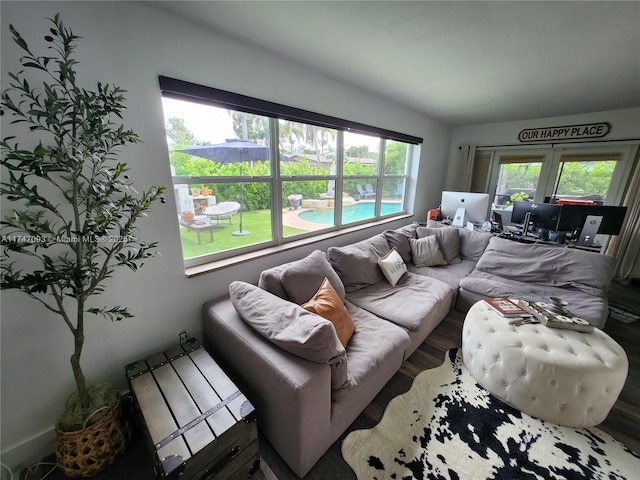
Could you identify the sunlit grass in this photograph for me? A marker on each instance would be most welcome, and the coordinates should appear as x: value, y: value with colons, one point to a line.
x: 257, y: 223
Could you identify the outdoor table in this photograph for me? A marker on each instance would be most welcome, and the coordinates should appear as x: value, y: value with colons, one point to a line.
x: 198, y: 227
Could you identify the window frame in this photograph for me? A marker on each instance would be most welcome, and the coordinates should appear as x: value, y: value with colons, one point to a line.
x: 552, y: 157
x: 185, y: 91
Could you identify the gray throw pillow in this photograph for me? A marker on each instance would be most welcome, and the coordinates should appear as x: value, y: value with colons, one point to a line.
x: 426, y: 252
x: 270, y: 281
x: 473, y: 244
x: 302, y: 278
x: 291, y: 327
x: 400, y: 240
x: 448, y: 239
x: 357, y: 264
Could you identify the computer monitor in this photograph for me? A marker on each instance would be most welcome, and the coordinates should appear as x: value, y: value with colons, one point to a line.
x: 572, y: 218
x: 476, y: 205
x: 542, y: 215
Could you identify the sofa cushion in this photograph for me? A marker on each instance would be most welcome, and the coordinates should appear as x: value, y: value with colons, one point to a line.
x: 392, y: 266
x: 425, y: 252
x: 291, y: 327
x: 357, y: 264
x: 472, y: 243
x: 448, y: 239
x: 302, y: 279
x: 450, y: 274
x: 400, y: 240
x: 270, y: 281
x: 328, y: 304
x: 375, y: 352
x: 408, y: 303
x: 408, y: 230
x: 478, y: 285
x: 549, y: 265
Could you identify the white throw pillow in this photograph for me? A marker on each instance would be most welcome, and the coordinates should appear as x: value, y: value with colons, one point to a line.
x: 392, y: 266
x: 425, y: 252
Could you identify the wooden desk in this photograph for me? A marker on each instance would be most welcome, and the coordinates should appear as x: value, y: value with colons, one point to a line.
x: 533, y: 240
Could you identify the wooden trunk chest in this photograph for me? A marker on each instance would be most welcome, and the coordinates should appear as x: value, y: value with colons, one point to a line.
x: 199, y: 425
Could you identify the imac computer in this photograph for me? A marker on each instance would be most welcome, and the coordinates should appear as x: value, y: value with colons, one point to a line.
x: 585, y: 221
x: 476, y: 205
x: 540, y: 215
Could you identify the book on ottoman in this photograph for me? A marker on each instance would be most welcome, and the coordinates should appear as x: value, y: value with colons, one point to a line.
x: 506, y: 308
x: 543, y: 313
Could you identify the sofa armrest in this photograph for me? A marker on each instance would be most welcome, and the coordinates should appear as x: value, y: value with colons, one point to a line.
x: 292, y: 396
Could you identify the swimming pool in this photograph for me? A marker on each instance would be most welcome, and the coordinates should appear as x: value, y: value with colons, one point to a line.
x: 359, y: 211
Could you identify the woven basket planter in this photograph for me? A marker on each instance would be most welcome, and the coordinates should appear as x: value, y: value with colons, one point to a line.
x: 86, y: 452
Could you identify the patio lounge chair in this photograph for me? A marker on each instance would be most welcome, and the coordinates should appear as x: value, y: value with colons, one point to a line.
x: 361, y: 191
x: 222, y: 210
x: 370, y: 192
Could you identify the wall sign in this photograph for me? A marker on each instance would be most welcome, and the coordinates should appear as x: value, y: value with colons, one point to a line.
x: 568, y: 132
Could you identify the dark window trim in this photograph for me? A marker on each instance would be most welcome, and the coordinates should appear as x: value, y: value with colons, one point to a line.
x: 182, y: 90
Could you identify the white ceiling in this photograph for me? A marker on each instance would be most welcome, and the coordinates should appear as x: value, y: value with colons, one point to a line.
x: 459, y: 62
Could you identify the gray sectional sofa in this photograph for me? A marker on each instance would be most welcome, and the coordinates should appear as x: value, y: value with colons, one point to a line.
x: 307, y: 387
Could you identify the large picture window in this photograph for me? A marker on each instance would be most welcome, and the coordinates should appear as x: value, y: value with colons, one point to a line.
x: 247, y: 178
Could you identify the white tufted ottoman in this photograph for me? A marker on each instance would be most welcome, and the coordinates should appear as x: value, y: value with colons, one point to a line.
x: 565, y: 377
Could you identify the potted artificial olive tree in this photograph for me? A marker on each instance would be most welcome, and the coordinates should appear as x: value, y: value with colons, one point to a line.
x: 72, y: 224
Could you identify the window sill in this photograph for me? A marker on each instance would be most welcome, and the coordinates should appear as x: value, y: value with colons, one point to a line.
x: 247, y: 257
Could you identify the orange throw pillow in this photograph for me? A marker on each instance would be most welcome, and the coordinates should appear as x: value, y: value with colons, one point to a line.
x: 327, y: 303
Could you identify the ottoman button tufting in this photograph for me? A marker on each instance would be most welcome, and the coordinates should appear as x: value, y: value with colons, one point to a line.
x: 576, y: 365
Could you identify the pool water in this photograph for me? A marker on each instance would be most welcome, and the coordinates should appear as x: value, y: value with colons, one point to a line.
x: 359, y: 211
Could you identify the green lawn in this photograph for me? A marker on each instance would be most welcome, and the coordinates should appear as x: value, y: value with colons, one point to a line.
x: 258, y: 223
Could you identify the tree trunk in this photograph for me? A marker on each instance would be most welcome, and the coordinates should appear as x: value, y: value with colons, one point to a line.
x: 78, y: 335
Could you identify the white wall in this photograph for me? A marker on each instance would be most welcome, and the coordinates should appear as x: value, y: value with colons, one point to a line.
x: 130, y: 44
x: 625, y: 124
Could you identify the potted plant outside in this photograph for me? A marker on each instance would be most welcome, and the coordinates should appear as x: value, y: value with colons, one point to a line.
x: 518, y: 197
x: 295, y: 200
x: 72, y: 224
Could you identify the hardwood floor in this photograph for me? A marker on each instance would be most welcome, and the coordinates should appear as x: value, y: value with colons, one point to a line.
x: 429, y: 355
x: 622, y: 423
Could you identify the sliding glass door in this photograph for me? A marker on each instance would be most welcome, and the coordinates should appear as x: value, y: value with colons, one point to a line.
x: 578, y: 173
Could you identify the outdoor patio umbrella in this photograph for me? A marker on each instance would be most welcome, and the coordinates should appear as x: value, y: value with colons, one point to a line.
x: 232, y: 151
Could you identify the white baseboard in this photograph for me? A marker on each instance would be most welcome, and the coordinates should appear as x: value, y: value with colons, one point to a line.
x: 33, y: 450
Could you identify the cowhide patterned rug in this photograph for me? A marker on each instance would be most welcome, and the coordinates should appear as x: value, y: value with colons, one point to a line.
x: 448, y: 427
